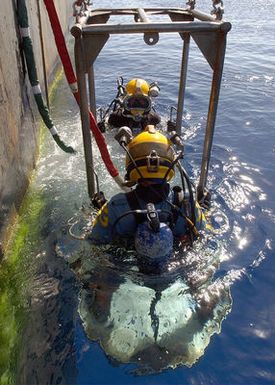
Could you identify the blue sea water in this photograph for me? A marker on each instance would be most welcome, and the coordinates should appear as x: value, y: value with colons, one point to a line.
x: 66, y: 339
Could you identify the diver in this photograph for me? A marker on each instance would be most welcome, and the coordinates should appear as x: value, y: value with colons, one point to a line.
x: 152, y: 215
x: 133, y: 107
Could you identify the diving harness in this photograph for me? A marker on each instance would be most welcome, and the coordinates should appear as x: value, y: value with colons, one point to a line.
x: 183, y: 196
x: 154, y: 226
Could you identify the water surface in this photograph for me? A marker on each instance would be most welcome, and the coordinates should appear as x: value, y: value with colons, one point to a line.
x: 90, y: 316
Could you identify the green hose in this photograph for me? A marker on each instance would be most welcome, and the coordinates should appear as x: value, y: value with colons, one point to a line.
x: 32, y: 72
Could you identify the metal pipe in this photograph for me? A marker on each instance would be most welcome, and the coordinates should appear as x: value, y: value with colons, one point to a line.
x: 183, y: 77
x: 177, y: 26
x: 143, y: 16
x: 131, y: 11
x: 43, y: 54
x: 85, y: 117
x: 201, y: 15
x: 119, y: 11
x: 212, y: 112
x: 91, y: 80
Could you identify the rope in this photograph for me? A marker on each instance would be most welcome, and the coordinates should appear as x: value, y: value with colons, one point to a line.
x: 218, y: 8
x: 71, y: 78
x: 32, y: 73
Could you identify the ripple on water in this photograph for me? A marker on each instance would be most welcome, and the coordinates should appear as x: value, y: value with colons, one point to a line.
x: 162, y: 321
x: 154, y: 321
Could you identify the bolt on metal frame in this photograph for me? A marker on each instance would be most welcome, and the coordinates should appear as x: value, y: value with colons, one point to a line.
x: 92, y: 31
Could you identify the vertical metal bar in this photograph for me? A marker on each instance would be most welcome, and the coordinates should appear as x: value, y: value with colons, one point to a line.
x: 91, y: 79
x: 212, y: 112
x: 43, y: 54
x: 183, y: 77
x: 84, y: 113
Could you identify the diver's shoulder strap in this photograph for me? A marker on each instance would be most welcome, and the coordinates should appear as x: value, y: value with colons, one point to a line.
x: 134, y: 205
x: 177, y: 201
x: 178, y: 196
x: 132, y: 200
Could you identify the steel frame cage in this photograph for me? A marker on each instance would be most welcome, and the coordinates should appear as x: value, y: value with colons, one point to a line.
x: 91, y: 31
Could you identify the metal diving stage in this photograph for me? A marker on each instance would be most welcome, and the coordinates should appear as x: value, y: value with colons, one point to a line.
x: 92, y: 30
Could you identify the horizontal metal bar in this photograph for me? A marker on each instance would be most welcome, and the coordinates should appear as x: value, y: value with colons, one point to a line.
x: 186, y: 26
x: 133, y: 12
x: 151, y: 11
x: 119, y: 11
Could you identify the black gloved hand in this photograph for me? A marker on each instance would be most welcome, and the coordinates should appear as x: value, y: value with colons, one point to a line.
x: 102, y: 126
x: 171, y: 126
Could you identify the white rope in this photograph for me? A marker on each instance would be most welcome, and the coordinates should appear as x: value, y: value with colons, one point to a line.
x: 74, y: 87
x: 53, y: 131
x: 118, y: 179
x: 25, y: 32
x: 36, y: 89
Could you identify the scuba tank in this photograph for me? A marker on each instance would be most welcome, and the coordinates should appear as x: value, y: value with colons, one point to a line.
x: 153, y: 239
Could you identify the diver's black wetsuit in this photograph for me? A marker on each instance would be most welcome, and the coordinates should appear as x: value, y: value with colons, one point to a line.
x: 118, y: 119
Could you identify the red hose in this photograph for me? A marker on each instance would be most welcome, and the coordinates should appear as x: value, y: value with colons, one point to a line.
x: 71, y: 78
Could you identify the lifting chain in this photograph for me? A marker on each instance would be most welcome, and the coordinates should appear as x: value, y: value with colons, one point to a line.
x: 218, y: 9
x: 191, y: 3
x: 80, y: 7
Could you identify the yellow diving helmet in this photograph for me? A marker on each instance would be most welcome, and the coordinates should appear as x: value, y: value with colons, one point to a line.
x: 153, y: 155
x: 137, y: 100
x: 137, y: 87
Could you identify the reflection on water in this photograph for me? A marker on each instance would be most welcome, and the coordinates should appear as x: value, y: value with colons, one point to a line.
x: 154, y: 321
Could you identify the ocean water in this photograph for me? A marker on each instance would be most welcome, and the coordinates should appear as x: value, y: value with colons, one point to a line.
x: 90, y: 316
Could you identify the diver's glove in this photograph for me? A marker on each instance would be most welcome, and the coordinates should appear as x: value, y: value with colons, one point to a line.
x: 98, y: 200
x: 102, y: 126
x: 171, y: 126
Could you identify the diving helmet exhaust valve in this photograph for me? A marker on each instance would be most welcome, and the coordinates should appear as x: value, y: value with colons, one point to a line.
x: 153, y: 161
x: 154, y: 90
x: 153, y: 217
x: 176, y: 139
x: 124, y: 135
x: 98, y: 200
